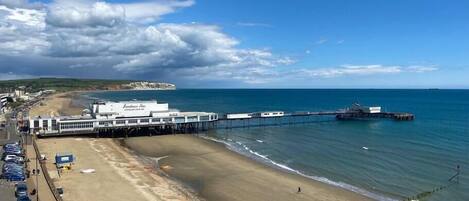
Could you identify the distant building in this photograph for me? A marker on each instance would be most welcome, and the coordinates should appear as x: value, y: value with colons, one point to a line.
x: 149, y: 86
x: 20, y: 91
x: 3, y: 103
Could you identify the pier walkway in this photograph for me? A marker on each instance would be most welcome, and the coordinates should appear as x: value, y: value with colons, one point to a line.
x: 151, y: 123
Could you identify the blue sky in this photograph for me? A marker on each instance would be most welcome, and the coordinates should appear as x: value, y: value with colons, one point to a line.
x: 237, y: 44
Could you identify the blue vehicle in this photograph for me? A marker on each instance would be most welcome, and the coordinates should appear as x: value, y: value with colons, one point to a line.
x: 14, y: 177
x: 12, y: 151
x: 12, y: 171
x: 23, y: 198
x: 10, y: 165
x: 21, y: 190
x: 14, y: 159
x: 11, y: 145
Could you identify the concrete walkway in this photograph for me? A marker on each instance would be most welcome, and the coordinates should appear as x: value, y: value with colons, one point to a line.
x: 43, y: 189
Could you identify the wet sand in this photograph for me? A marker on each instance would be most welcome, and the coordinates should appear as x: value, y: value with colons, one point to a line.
x: 219, y: 174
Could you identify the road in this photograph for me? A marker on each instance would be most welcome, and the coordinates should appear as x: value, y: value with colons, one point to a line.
x: 7, y: 135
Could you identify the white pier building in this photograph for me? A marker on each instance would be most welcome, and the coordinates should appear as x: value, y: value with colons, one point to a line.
x: 114, y: 115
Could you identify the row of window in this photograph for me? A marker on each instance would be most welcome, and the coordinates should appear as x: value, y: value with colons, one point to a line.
x: 157, y: 120
x: 76, y: 125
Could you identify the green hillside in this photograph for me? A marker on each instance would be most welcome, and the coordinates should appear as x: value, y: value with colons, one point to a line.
x: 61, y: 84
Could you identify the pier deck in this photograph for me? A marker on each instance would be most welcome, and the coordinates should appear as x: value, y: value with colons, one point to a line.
x: 194, y: 122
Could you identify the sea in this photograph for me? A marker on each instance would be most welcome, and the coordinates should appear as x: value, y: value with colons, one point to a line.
x: 382, y: 159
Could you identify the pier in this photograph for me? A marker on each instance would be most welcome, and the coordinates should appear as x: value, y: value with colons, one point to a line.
x: 277, y: 118
x: 133, y: 118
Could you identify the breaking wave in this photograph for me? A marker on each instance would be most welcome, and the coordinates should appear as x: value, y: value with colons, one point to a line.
x: 243, y: 149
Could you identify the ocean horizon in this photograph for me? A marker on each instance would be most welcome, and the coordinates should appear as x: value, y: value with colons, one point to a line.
x: 382, y: 159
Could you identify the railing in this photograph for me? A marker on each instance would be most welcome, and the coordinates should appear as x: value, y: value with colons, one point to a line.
x: 46, y: 174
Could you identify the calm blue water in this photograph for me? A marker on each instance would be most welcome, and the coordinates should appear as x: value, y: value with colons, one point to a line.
x: 403, y: 158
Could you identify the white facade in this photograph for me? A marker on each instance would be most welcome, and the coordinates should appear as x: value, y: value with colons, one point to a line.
x: 112, y: 110
x: 239, y: 116
x: 272, y: 114
x: 365, y: 109
x: 106, y: 115
x: 371, y: 109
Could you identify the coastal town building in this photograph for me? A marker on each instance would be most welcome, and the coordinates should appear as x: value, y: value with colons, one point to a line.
x: 3, y: 103
x: 149, y: 86
x: 113, y: 115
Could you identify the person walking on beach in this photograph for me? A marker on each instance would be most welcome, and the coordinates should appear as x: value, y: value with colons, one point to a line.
x: 299, y: 190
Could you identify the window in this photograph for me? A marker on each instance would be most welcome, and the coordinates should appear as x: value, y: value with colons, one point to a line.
x: 204, y: 118
x: 54, y: 124
x: 77, y: 125
x: 192, y: 119
x: 36, y: 123
x: 167, y: 120
x: 179, y: 119
x: 120, y: 122
x: 155, y: 120
x: 132, y: 121
x: 45, y: 123
x: 144, y: 120
x: 105, y: 123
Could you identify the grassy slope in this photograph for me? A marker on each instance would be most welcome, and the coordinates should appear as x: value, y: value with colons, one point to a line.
x: 62, y: 84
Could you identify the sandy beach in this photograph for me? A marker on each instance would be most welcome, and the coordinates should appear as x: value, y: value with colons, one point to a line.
x: 118, y: 176
x: 170, y: 167
x: 217, y: 173
x: 57, y: 104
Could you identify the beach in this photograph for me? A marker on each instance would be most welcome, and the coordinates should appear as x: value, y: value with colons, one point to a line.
x: 57, y: 104
x: 169, y: 167
x: 118, y: 175
x: 217, y: 173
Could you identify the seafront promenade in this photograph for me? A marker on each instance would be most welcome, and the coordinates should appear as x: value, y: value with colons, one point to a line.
x: 38, y: 181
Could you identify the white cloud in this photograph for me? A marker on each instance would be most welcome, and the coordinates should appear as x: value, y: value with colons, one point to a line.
x: 253, y: 24
x: 21, y: 31
x: 83, y: 33
x: 150, y: 11
x: 20, y: 4
x: 421, y: 69
x: 81, y: 13
x: 360, y: 70
x: 13, y: 76
x: 321, y: 41
x: 89, y: 38
x: 340, y: 41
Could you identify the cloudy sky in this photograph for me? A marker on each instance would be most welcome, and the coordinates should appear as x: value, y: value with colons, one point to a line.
x: 240, y: 43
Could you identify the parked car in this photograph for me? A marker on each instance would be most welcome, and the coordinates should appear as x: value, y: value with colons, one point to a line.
x: 9, y: 158
x: 21, y: 189
x: 12, y: 151
x: 13, y: 172
x: 18, y: 161
x: 11, y: 145
x: 14, y: 176
x: 23, y: 198
x: 14, y: 159
x: 12, y: 167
